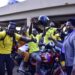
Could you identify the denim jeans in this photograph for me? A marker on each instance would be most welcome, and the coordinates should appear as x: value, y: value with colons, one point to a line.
x: 6, y: 61
x: 69, y: 70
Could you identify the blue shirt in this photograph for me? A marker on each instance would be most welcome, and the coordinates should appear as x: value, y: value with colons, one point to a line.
x: 69, y: 47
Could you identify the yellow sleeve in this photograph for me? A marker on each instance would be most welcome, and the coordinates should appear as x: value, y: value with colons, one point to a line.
x: 18, y: 36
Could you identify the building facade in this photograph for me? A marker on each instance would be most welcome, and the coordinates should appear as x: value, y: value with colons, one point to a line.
x: 56, y: 9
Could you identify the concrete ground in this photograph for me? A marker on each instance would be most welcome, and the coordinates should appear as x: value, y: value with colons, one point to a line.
x: 15, y: 71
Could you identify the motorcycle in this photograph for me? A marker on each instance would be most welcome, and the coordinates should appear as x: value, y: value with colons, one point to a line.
x: 51, y: 60
x: 50, y: 64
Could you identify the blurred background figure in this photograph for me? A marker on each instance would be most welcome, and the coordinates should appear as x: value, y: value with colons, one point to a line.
x: 12, y: 1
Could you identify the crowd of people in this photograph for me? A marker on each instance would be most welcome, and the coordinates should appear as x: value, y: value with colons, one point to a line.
x: 29, y: 43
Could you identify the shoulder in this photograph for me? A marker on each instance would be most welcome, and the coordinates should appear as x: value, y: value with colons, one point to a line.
x: 73, y: 34
x: 52, y: 29
x: 2, y: 33
x: 39, y: 35
x: 16, y: 34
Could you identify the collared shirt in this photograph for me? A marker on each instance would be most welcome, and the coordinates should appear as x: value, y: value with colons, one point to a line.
x: 69, y: 47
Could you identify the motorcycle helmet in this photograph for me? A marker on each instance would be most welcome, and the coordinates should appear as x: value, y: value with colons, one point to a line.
x: 43, y: 20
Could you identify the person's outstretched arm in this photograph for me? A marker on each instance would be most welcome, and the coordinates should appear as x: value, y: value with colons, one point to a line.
x: 27, y: 39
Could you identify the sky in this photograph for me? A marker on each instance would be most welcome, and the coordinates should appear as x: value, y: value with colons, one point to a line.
x: 5, y: 2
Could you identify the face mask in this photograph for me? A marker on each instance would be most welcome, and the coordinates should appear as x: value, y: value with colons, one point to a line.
x: 66, y: 33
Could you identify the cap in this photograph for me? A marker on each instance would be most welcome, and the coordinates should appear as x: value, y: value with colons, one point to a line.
x: 71, y: 22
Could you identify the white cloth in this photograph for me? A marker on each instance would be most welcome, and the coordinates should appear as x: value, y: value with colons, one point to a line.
x: 23, y: 48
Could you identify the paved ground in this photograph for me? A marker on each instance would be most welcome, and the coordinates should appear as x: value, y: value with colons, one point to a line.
x: 15, y: 71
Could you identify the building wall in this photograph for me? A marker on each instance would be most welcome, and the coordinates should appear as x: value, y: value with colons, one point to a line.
x: 57, y: 11
x: 34, y: 8
x: 29, y: 5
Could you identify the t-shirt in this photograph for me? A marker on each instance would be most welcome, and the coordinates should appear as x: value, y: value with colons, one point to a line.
x: 7, y: 43
x: 69, y: 47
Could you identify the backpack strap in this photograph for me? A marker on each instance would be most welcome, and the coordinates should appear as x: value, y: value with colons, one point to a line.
x: 15, y: 45
x: 14, y: 39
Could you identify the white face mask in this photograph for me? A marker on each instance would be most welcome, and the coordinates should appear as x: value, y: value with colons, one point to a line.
x: 66, y: 32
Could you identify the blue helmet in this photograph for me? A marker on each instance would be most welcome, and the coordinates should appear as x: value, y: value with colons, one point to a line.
x: 43, y: 20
